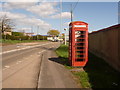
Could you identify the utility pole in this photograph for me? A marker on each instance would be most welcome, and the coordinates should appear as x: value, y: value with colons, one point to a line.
x: 65, y: 35
x: 60, y: 18
x: 31, y: 29
x: 37, y: 31
x: 71, y: 13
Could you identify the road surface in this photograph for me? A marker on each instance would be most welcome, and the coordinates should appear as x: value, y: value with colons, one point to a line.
x: 32, y: 67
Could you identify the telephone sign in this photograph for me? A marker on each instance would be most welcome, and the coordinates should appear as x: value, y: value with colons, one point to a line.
x: 78, y: 43
x: 79, y: 25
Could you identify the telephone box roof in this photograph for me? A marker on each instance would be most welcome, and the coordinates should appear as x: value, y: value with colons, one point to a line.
x: 78, y: 22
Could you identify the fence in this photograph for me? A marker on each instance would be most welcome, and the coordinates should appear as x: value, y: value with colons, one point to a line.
x: 105, y: 43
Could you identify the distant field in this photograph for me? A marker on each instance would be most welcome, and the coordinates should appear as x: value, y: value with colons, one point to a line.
x: 96, y: 74
x: 8, y: 42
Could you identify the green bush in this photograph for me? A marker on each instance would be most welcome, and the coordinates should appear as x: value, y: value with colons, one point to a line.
x: 16, y: 37
x: 17, y: 34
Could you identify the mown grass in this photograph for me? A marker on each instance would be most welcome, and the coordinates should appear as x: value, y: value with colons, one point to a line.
x: 7, y: 42
x: 62, y: 51
x: 97, y: 73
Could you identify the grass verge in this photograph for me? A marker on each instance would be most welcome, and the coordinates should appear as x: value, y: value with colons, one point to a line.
x: 8, y: 42
x: 96, y: 74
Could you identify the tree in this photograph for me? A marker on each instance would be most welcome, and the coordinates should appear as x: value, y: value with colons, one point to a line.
x: 6, y: 24
x: 17, y: 34
x: 53, y: 32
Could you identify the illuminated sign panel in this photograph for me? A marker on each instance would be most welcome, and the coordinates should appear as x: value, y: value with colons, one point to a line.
x: 79, y: 25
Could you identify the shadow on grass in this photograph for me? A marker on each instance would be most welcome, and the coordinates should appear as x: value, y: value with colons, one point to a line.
x: 100, y: 74
x: 60, y: 60
x: 97, y: 73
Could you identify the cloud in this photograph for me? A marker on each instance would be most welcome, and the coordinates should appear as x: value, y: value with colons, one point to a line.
x: 21, y: 19
x: 22, y: 0
x: 34, y: 21
x: 24, y: 29
x: 12, y: 15
x: 65, y: 15
x: 44, y: 9
x: 17, y: 5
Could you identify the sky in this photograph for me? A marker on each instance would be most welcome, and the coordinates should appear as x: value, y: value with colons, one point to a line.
x: 40, y: 17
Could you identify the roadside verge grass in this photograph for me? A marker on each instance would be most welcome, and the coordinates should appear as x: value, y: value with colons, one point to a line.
x: 8, y: 42
x: 96, y: 74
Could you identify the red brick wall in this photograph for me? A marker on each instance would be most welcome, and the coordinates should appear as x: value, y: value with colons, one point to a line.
x: 105, y: 43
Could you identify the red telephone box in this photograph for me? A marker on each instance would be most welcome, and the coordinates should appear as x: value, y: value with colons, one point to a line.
x: 78, y: 43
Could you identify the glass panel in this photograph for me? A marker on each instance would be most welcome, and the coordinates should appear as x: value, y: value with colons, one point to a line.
x: 83, y: 32
x: 80, y: 40
x: 80, y: 44
x: 79, y: 47
x: 77, y: 32
x: 80, y: 59
x: 80, y: 52
x: 80, y: 32
x: 79, y: 55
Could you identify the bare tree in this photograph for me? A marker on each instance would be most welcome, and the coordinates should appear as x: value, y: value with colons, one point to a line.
x: 6, y: 24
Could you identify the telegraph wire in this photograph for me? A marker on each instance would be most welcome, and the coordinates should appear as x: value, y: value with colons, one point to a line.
x: 72, y: 9
x: 75, y: 6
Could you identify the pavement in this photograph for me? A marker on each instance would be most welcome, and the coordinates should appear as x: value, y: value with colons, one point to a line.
x: 35, y: 67
x: 53, y: 74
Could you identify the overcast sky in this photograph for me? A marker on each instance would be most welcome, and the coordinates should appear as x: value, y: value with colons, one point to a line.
x: 46, y: 15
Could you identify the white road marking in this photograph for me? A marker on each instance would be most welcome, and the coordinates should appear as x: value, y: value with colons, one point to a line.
x: 18, y: 46
x: 7, y: 66
x: 4, y: 69
x: 22, y: 48
x: 42, y: 51
x: 26, y: 58
x: 18, y: 62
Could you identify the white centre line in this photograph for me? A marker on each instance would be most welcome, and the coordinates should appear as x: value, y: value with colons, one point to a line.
x: 7, y: 66
x: 42, y: 51
x: 4, y: 69
x: 18, y: 62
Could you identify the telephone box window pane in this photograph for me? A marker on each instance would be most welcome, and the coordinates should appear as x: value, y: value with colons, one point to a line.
x: 77, y: 32
x: 79, y: 55
x: 83, y: 32
x: 80, y: 32
x: 80, y: 59
x: 79, y: 47
x: 80, y: 52
x: 82, y: 36
x: 80, y: 40
x: 80, y: 44
x: 79, y: 36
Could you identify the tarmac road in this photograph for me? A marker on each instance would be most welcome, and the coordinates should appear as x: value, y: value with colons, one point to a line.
x: 31, y: 67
